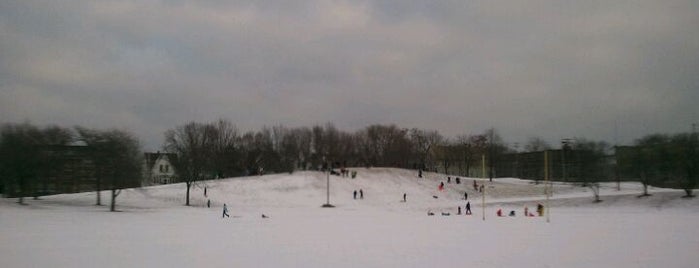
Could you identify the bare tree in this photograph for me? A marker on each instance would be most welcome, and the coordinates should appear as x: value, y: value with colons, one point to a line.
x: 192, y: 145
x: 225, y: 151
x: 116, y: 156
x: 535, y: 144
x: 94, y: 139
x: 20, y: 157
x: 471, y: 147
x: 496, y: 148
x: 423, y: 142
x: 685, y: 152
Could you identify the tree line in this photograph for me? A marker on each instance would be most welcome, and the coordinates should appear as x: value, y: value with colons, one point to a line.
x: 34, y: 160
x: 218, y: 149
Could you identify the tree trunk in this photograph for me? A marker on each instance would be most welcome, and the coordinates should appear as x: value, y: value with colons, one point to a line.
x: 112, y: 204
x: 189, y: 184
x: 468, y: 169
x: 115, y: 193
x: 644, y: 180
x: 21, y: 192
x: 99, y: 195
x: 645, y: 189
x: 595, y: 191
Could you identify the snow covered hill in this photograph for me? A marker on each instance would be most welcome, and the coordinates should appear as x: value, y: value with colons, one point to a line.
x: 155, y: 229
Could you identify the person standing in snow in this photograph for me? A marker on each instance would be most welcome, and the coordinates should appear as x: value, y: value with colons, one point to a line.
x: 355, y: 194
x: 225, y: 211
x: 465, y: 196
x: 468, y: 208
x: 204, y: 191
x: 475, y: 185
x: 208, y: 203
x: 419, y: 173
x: 448, y: 179
x: 459, y: 209
x: 361, y: 194
x: 404, y: 197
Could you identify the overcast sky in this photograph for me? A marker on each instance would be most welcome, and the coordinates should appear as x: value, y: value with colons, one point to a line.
x: 553, y: 69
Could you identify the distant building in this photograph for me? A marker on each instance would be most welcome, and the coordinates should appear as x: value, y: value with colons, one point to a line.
x: 158, y: 168
x: 69, y: 170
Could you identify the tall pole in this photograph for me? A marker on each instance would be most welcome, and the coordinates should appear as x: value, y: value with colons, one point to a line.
x: 328, y: 189
x: 327, y: 185
x: 546, y: 184
x: 483, y: 185
x: 483, y: 168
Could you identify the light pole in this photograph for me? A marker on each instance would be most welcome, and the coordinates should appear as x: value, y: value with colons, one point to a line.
x: 327, y: 202
x: 564, y: 145
x: 516, y: 167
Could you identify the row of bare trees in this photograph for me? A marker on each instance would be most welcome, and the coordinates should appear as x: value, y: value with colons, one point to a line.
x: 30, y: 157
x: 36, y: 161
x: 218, y: 149
x: 659, y: 159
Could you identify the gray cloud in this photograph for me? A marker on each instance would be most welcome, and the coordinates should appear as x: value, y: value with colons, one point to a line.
x: 528, y: 68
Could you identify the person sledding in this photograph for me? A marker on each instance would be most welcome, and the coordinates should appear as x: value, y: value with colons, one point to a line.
x: 499, y: 212
x: 441, y: 186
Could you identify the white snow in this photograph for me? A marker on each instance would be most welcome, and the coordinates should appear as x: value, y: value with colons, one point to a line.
x: 154, y: 229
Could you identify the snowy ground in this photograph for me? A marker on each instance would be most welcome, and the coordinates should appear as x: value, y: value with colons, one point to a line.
x: 154, y: 229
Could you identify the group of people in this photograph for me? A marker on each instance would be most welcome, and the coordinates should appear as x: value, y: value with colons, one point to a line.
x: 527, y: 213
x: 457, y: 179
x: 467, y: 209
x: 477, y: 187
x: 361, y: 194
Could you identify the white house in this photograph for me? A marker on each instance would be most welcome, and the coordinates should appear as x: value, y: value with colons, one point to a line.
x: 158, y: 169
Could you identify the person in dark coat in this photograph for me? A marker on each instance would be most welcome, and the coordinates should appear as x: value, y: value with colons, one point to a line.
x: 404, y: 197
x: 355, y: 194
x: 448, y: 179
x: 459, y: 211
x: 361, y: 194
x: 465, y: 196
x: 225, y: 211
x: 468, y: 208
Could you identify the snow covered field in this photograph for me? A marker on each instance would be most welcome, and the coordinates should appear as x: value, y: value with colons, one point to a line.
x: 154, y: 229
